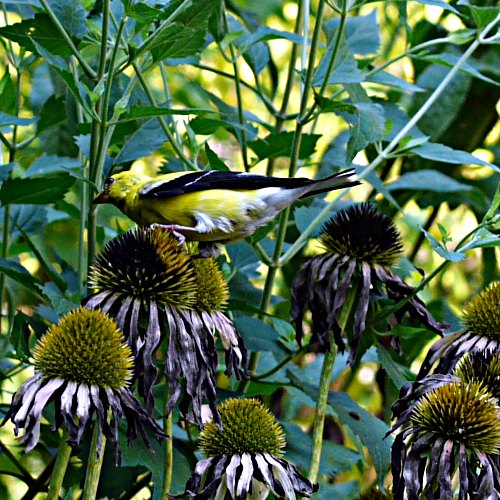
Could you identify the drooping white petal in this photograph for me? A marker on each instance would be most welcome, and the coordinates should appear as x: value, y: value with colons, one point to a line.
x: 243, y: 485
x: 231, y: 475
x: 281, y: 475
x: 26, y: 393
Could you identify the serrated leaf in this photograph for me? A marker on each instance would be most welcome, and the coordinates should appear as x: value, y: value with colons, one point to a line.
x: 27, y: 218
x: 335, y: 458
x: 148, y: 138
x: 41, y: 30
x: 53, y: 113
x: 441, y: 250
x: 397, y: 373
x: 367, y: 126
x: 482, y: 15
x: 362, y: 33
x: 36, y: 190
x: 258, y: 336
x: 280, y: 145
x: 428, y: 180
x: 345, y: 68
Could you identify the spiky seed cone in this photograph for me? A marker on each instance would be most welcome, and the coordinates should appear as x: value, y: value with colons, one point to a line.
x: 481, y: 366
x: 248, y: 427
x: 482, y: 314
x: 213, y: 291
x: 363, y: 233
x: 462, y: 412
x: 85, y: 347
x: 147, y: 263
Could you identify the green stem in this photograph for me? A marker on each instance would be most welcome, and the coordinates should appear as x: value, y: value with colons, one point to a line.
x: 94, y: 465
x: 320, y: 412
x: 169, y: 449
x: 384, y: 154
x: 60, y: 466
x: 86, y: 68
x: 280, y: 119
x: 324, y: 389
x: 175, y: 145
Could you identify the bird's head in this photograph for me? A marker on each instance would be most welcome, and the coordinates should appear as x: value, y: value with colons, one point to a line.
x: 118, y: 187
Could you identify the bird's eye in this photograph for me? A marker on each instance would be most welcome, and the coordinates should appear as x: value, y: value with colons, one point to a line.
x: 108, y: 182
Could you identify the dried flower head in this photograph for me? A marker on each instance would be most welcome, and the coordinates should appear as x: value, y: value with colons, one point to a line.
x: 84, y: 365
x: 243, y: 460
x: 481, y: 333
x: 155, y: 290
x: 354, y: 272
x: 453, y: 429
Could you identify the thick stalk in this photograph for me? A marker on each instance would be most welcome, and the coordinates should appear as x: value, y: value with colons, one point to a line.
x: 60, y: 466
x: 169, y: 448
x: 164, y: 125
x: 94, y: 464
x: 6, y: 218
x: 95, y: 153
x: 324, y: 389
x: 86, y: 68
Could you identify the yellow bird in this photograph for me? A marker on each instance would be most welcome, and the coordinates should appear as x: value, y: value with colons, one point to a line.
x: 211, y: 207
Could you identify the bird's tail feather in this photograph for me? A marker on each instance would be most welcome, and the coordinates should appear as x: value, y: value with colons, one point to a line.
x: 344, y: 179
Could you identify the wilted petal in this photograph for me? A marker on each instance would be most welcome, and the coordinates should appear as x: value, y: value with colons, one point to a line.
x: 281, y: 476
x: 231, y: 475
x: 243, y: 484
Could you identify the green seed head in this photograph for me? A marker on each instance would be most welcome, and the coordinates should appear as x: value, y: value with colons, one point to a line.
x: 213, y: 292
x: 248, y: 427
x: 149, y: 264
x: 482, y: 314
x: 85, y: 347
x: 481, y: 366
x: 462, y: 412
x: 363, y: 233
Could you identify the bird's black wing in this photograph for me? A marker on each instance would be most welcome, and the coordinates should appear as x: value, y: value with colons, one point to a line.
x: 214, y: 179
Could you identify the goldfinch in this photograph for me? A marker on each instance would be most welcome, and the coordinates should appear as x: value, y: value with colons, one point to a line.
x: 211, y: 207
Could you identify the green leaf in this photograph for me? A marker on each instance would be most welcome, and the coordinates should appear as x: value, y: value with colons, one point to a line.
x: 20, y: 335
x: 445, y: 154
x: 482, y: 15
x: 53, y: 113
x: 214, y: 161
x: 36, y: 190
x: 484, y: 239
x: 362, y: 33
x: 8, y: 93
x: 258, y: 336
x: 27, y: 218
x: 335, y: 106
x: 278, y: 145
x: 264, y: 33
x: 345, y: 68
x: 6, y: 170
x: 428, y: 180
x: 439, y: 3
x: 71, y: 15
x: 41, y: 30
x: 441, y: 250
x: 367, y: 126
x: 20, y: 274
x: 397, y: 373
x: 6, y: 119
x: 148, y: 138
x: 335, y: 458
x: 385, y: 78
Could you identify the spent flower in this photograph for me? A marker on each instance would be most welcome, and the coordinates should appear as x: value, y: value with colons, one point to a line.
x: 84, y: 366
x: 361, y: 244
x: 243, y: 460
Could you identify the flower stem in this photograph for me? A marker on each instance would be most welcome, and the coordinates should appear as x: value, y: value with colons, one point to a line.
x: 169, y: 449
x: 60, y: 466
x: 324, y: 389
x: 94, y: 465
x: 320, y: 413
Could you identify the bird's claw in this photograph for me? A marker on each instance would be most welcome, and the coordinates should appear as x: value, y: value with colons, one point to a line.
x: 172, y: 229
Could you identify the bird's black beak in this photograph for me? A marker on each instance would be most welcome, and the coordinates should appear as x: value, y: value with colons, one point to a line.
x: 101, y: 198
